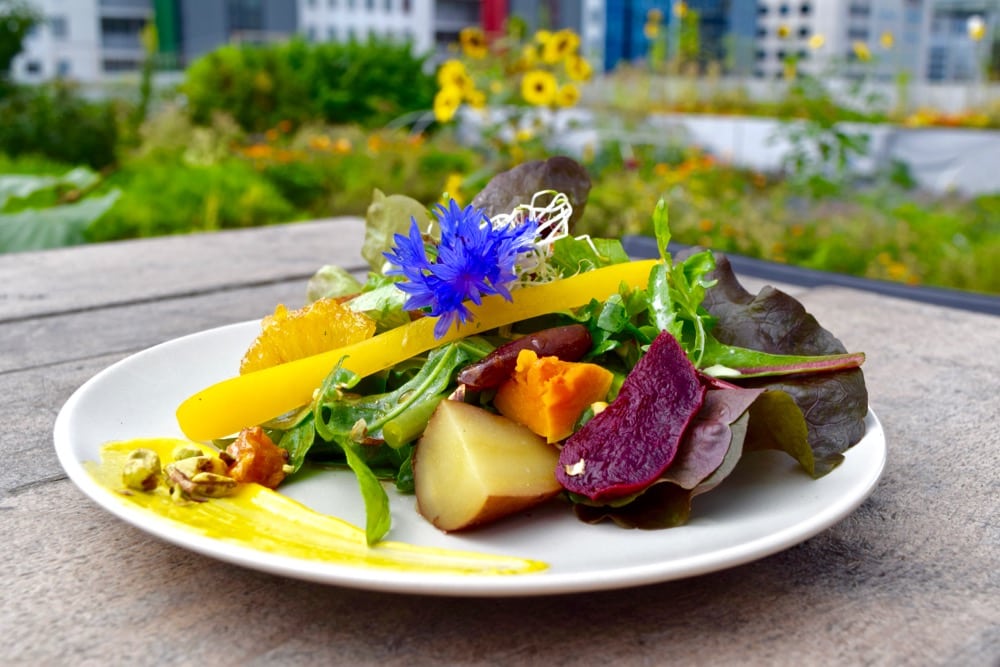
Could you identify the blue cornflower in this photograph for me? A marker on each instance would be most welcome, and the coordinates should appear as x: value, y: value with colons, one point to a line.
x: 473, y: 260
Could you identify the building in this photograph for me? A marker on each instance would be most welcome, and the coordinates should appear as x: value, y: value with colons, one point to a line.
x: 89, y: 40
x: 953, y: 53
x: 929, y: 39
x: 83, y: 40
x: 409, y: 20
x: 188, y: 29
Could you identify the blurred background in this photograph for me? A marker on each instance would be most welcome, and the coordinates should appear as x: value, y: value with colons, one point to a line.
x: 855, y: 136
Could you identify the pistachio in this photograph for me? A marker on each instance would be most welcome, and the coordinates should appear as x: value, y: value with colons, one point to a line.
x: 200, y: 477
x: 141, y: 470
x: 186, y: 452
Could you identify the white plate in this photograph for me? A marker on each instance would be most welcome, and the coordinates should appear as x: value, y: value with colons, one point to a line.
x: 766, y: 506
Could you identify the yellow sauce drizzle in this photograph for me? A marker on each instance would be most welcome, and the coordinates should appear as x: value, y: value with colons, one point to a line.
x: 259, y: 518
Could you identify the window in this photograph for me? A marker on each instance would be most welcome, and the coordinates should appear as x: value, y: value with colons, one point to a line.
x: 761, y: 32
x: 33, y: 67
x: 332, y: 4
x: 62, y: 68
x: 805, y: 9
x: 370, y: 5
x: 804, y: 31
x: 59, y: 28
x: 245, y: 15
x: 121, y: 33
x: 116, y: 65
x: 762, y: 9
x: 387, y: 6
x: 331, y: 33
x: 783, y: 10
x: 761, y: 54
x: 311, y: 33
x: 406, y: 6
x: 859, y: 9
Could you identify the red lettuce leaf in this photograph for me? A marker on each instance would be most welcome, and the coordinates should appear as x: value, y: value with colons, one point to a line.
x: 509, y: 189
x: 834, y: 404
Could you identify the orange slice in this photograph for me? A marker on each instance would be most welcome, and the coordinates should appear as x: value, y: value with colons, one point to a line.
x: 289, y: 335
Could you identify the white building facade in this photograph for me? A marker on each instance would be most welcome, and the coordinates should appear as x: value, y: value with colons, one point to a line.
x: 344, y: 20
x: 873, y: 38
x: 83, y: 40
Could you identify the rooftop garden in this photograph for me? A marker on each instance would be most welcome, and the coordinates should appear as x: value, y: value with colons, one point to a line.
x: 299, y: 131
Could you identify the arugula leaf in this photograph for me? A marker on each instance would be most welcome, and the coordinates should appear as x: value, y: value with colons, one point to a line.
x: 342, y: 417
x: 675, y: 295
x: 377, y: 517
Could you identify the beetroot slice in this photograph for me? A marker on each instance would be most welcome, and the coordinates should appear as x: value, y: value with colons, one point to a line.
x: 626, y: 447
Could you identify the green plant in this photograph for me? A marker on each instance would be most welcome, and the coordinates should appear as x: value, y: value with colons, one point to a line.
x: 55, y: 122
x: 16, y: 19
x: 367, y: 83
x: 821, y: 147
x: 39, y: 211
x: 172, y: 197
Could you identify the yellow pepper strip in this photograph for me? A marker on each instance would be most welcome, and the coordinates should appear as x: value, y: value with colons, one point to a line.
x: 247, y: 400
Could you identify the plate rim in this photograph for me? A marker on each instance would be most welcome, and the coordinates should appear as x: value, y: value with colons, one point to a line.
x: 873, y: 445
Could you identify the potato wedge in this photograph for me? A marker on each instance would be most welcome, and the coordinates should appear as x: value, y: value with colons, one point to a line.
x: 472, y: 467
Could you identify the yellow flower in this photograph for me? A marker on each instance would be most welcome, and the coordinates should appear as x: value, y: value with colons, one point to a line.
x: 567, y: 95
x: 496, y: 87
x: 578, y: 68
x: 524, y: 134
x: 862, y: 51
x: 817, y: 41
x: 452, y: 73
x: 453, y: 187
x: 473, y: 42
x: 320, y: 143
x: 529, y: 56
x: 784, y: 31
x: 476, y: 98
x: 446, y: 103
x: 651, y: 30
x: 976, y: 27
x: 342, y: 145
x: 790, y: 69
x: 560, y: 45
x: 538, y: 87
x: 257, y: 151
x: 654, y: 16
x: 886, y: 40
x: 543, y: 36
x: 680, y: 9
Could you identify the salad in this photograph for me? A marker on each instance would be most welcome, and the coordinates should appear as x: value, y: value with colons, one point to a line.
x: 493, y: 361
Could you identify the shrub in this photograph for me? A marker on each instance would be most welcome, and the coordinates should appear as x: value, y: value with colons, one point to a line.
x: 333, y: 171
x: 368, y: 83
x: 55, y: 122
x: 173, y: 197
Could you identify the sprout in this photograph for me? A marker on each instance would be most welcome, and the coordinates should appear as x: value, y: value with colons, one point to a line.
x: 553, y: 224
